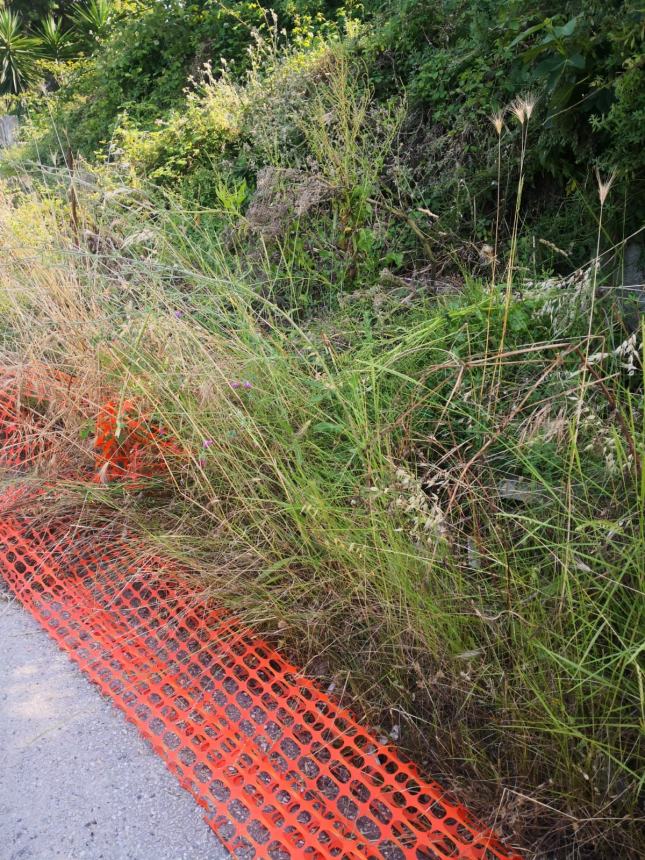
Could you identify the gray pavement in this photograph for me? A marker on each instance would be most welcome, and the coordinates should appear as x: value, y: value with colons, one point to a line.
x: 77, y: 782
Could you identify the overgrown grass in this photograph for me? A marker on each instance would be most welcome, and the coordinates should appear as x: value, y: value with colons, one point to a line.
x: 460, y: 558
x: 421, y: 476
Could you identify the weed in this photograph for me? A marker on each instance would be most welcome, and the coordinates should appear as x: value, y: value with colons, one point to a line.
x: 349, y: 490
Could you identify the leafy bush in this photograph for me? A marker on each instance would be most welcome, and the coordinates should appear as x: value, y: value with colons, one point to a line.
x: 461, y: 60
x: 624, y: 123
x: 188, y: 139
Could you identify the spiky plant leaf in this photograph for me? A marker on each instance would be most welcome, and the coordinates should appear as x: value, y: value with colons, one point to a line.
x: 93, y: 20
x: 57, y: 43
x: 19, y: 54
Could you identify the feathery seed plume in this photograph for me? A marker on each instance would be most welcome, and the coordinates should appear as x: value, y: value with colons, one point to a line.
x: 497, y: 119
x: 604, y: 185
x: 518, y: 110
x: 529, y: 103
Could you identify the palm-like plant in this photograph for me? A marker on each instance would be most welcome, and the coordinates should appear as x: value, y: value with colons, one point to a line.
x: 19, y: 54
x: 57, y: 43
x: 93, y: 20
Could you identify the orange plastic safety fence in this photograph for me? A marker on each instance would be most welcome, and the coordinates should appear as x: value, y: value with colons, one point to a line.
x: 127, y: 446
x: 26, y: 435
x: 280, y: 768
x: 22, y: 437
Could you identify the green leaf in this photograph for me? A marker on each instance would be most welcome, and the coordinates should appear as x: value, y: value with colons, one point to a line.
x: 577, y: 61
x: 328, y: 427
x: 529, y: 32
x: 567, y: 29
x: 551, y: 64
x: 87, y: 431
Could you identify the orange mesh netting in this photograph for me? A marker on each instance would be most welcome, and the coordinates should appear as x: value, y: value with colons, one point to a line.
x: 280, y: 768
x: 22, y: 432
x: 129, y: 447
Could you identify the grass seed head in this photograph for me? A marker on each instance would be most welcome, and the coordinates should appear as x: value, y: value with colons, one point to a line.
x: 604, y: 186
x: 522, y: 108
x: 497, y: 120
x: 529, y: 105
x: 518, y: 110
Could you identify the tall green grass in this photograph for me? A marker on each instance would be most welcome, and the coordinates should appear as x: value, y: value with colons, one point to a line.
x: 361, y: 488
x: 434, y: 503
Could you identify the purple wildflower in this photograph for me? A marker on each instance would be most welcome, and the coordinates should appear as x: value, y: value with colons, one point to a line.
x: 247, y: 384
x: 179, y: 314
x: 234, y: 384
x: 202, y: 462
x: 208, y: 443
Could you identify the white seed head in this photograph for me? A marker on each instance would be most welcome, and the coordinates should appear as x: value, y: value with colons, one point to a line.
x: 497, y: 119
x: 518, y: 110
x: 523, y: 107
x: 529, y: 104
x: 604, y: 185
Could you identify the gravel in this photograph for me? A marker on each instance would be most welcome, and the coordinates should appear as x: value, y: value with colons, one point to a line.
x: 77, y: 782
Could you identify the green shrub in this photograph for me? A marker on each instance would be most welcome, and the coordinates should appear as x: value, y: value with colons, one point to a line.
x: 187, y: 139
x: 461, y: 60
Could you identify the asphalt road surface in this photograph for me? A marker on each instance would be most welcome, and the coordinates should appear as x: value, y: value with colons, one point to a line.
x: 77, y: 782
